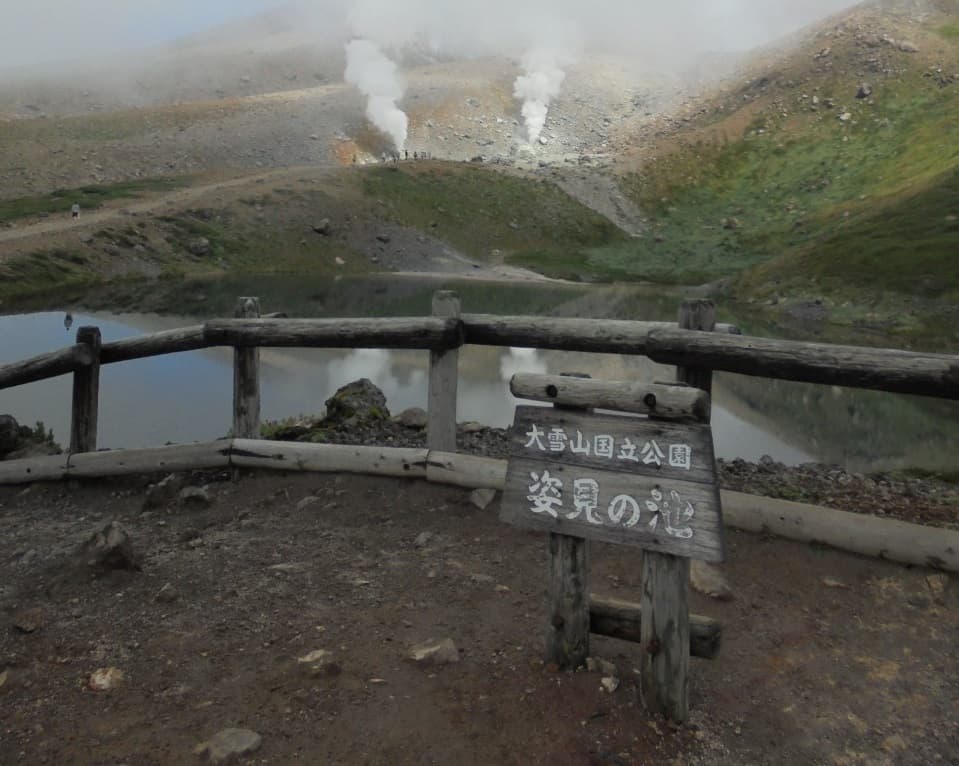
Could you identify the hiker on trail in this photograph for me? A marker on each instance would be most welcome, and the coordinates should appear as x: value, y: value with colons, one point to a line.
x: 75, y: 211
x: 406, y: 154
x: 68, y: 321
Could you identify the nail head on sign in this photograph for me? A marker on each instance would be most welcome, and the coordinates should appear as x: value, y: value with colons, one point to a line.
x: 552, y: 392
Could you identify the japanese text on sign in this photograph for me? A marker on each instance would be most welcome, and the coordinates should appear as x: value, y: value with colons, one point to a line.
x: 557, y: 441
x: 668, y: 512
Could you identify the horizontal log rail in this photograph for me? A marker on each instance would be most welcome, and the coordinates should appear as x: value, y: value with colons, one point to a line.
x: 903, y: 372
x: 890, y: 370
x: 154, y: 344
x: 867, y: 535
x: 400, y: 333
x: 45, y: 366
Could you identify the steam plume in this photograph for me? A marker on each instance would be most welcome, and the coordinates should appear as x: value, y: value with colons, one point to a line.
x: 537, y: 87
x: 368, y: 68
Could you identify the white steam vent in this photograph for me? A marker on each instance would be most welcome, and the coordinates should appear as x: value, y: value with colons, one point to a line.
x: 540, y: 83
x: 377, y: 78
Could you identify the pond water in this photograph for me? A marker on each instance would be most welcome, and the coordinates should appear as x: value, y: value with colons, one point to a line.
x: 188, y: 396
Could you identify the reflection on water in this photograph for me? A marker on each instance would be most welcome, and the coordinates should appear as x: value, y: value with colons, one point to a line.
x: 189, y: 396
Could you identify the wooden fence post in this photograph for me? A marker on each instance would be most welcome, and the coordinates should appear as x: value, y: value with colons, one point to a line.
x: 86, y: 395
x: 441, y: 418
x: 246, y: 378
x: 567, y: 593
x: 665, y: 598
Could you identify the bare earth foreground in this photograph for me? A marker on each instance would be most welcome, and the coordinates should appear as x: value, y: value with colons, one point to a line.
x: 827, y: 657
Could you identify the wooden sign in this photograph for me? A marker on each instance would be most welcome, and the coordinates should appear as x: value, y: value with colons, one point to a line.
x: 616, y: 479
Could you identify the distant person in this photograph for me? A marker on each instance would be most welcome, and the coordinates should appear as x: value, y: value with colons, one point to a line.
x: 75, y: 211
x: 68, y: 321
x: 416, y: 155
x: 406, y: 154
x: 354, y: 159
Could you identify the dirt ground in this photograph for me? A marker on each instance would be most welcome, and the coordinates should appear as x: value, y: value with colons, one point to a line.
x: 827, y: 658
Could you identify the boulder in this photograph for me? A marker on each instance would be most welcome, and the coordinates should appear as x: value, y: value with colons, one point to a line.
x: 9, y: 434
x: 199, y: 246
x: 110, y: 548
x: 414, y: 417
x: 356, y: 403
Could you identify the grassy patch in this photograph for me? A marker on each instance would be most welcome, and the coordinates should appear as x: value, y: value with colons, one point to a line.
x: 867, y: 201
x: 89, y: 197
x: 478, y: 211
x: 949, y: 31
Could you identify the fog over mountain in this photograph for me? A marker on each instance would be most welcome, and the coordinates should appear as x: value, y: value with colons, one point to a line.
x: 46, y: 31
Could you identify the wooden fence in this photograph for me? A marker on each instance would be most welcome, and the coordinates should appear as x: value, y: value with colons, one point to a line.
x: 448, y: 329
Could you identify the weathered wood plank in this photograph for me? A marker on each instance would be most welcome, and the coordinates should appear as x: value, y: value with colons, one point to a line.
x: 648, y: 440
x: 860, y: 533
x: 665, y: 401
x: 444, y: 377
x: 664, y: 635
x: 905, y: 372
x: 174, y: 457
x: 27, y: 470
x: 626, y: 522
x: 246, y: 378
x: 45, y: 366
x: 567, y: 602
x: 329, y: 458
x: 465, y: 470
x: 564, y: 334
x: 86, y: 395
x: 154, y: 344
x: 623, y: 620
x: 415, y: 333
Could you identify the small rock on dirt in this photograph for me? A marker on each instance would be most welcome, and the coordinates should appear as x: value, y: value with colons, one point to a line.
x: 597, y: 665
x: 865, y: 91
x: 167, y: 594
x: 435, y: 653
x: 710, y: 581
x: 323, y: 228
x: 937, y: 585
x: 482, y: 498
x: 610, y: 684
x: 105, y: 679
x: 228, y: 745
x: 907, y: 46
x: 195, y: 498
x: 163, y: 492
x: 423, y: 539
x: 28, y: 620
x: 832, y: 582
x: 110, y: 548
x: 307, y: 502
x: 319, y: 663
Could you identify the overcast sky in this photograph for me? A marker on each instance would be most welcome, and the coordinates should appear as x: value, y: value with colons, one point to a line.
x: 37, y: 31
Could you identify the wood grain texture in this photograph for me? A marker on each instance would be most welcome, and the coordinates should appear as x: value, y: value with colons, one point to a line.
x: 638, y: 430
x: 707, y: 537
x: 329, y: 458
x: 468, y: 471
x: 567, y: 602
x: 620, y: 619
x: 904, y: 372
x: 154, y: 344
x: 45, y: 366
x: 246, y: 378
x: 84, y: 412
x: 667, y: 402
x: 416, y: 333
x: 175, y: 457
x: 664, y: 636
x: 443, y: 380
x: 564, y: 334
